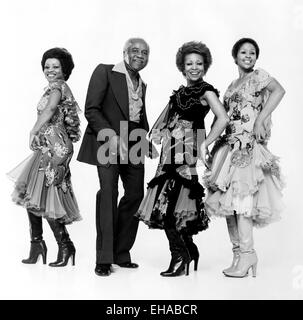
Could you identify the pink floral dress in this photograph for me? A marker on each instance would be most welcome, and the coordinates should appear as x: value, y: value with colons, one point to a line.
x: 43, y: 180
x: 245, y: 177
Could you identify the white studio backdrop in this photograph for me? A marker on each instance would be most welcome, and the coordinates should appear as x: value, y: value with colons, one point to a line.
x: 94, y: 31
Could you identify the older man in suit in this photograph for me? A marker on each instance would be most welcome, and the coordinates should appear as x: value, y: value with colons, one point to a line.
x: 116, y: 99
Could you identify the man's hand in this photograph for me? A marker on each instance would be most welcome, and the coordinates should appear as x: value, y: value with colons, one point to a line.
x: 156, y: 136
x: 114, y: 145
x: 117, y: 146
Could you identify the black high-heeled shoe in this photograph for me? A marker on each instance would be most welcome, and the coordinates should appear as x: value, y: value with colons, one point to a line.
x: 66, y: 247
x: 66, y: 251
x: 178, y: 266
x: 196, y: 261
x: 180, y: 260
x: 38, y: 247
x: 192, y: 249
x: 194, y: 256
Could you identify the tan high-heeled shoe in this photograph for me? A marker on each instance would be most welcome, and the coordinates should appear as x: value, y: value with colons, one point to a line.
x: 246, y: 261
x: 236, y: 258
x: 233, y: 232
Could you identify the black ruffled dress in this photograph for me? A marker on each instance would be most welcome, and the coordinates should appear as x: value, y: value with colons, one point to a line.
x: 175, y: 196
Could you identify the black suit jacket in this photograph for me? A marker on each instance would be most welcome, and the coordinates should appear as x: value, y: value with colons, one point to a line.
x: 106, y: 105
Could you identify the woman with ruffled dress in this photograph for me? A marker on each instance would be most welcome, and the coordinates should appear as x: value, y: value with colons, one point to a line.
x: 174, y: 199
x: 244, y: 183
x: 43, y: 180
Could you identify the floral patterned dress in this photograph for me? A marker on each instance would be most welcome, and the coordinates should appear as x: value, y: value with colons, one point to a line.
x: 174, y: 193
x: 43, y: 180
x: 245, y: 177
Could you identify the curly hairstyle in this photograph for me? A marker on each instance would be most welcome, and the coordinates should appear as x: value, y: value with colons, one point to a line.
x: 193, y: 47
x: 65, y: 58
x: 239, y: 43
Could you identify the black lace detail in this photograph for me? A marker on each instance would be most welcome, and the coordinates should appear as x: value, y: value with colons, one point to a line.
x: 188, y: 97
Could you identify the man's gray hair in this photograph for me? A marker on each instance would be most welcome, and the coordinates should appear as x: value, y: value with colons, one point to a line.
x: 131, y: 41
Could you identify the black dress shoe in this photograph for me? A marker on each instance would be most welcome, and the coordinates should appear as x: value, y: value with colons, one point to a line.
x: 131, y: 265
x: 103, y: 270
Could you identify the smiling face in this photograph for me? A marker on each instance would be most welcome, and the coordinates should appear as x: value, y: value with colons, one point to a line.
x: 137, y: 55
x: 193, y: 67
x: 246, y: 56
x: 53, y: 70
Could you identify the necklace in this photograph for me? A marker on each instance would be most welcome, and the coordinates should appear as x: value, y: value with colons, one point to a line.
x: 135, y: 95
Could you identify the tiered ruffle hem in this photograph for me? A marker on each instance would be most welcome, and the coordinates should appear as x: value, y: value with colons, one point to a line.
x: 252, y: 189
x: 53, y: 201
x: 170, y: 193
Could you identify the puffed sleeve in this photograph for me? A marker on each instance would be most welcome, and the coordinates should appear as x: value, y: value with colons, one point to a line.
x: 263, y: 78
x: 208, y: 87
x: 57, y: 85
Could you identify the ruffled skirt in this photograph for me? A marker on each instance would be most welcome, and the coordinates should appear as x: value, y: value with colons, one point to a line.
x: 248, y: 185
x: 33, y: 191
x: 171, y: 194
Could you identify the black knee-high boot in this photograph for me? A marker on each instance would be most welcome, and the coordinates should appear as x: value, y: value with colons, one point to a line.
x: 192, y: 249
x: 38, y: 246
x: 180, y: 257
x: 66, y: 247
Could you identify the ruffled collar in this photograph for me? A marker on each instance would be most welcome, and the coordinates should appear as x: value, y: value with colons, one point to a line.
x: 187, y: 97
